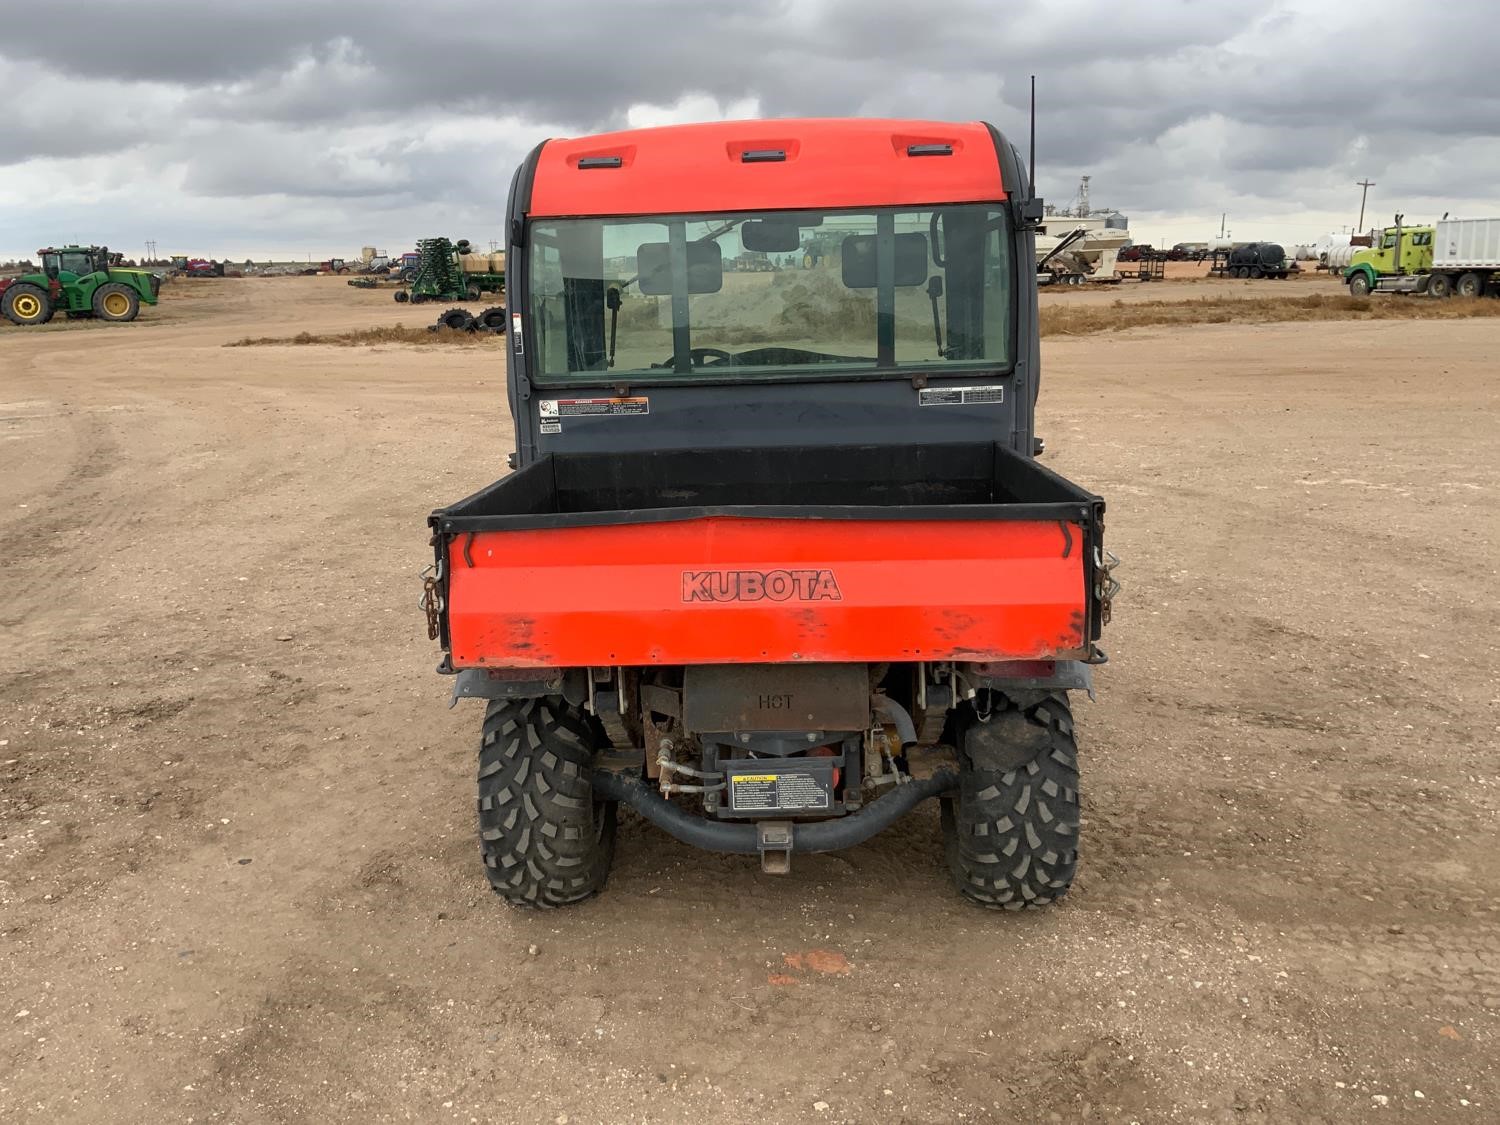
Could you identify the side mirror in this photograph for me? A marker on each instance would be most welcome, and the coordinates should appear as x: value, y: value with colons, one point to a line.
x: 705, y: 268
x: 858, y: 254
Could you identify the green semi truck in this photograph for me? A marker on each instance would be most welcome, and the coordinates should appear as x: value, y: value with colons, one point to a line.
x: 77, y: 281
x: 1454, y: 257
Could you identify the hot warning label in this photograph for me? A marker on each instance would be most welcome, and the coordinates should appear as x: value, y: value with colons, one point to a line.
x: 556, y: 409
x: 770, y: 792
x: 960, y: 396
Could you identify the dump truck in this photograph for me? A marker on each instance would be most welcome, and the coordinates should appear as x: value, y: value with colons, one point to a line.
x: 1454, y: 257
x: 777, y: 561
x: 79, y: 281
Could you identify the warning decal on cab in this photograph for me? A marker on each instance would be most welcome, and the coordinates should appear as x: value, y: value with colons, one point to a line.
x: 556, y: 409
x: 961, y: 396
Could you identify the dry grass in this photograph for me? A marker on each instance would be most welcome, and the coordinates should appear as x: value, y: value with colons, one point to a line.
x: 365, y: 337
x: 1060, y: 320
x: 1057, y: 320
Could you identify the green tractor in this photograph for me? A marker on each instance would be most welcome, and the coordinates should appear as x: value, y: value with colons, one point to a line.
x: 78, y: 281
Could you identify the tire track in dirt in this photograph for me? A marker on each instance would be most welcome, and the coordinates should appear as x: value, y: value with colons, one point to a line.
x: 74, y: 505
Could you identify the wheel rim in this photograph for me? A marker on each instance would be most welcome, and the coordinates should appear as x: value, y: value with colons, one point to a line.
x: 116, y: 304
x: 26, y: 306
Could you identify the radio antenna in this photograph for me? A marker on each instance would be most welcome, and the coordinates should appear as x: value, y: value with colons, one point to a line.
x: 1031, y: 160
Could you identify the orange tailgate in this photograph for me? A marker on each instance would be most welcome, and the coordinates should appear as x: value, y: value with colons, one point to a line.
x: 726, y: 590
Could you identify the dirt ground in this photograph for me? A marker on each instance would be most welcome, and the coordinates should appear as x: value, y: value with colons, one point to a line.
x: 238, y: 873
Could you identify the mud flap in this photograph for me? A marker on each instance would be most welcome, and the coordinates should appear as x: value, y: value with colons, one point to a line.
x: 1006, y: 741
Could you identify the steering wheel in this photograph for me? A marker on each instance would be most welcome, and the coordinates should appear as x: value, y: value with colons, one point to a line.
x: 697, y: 356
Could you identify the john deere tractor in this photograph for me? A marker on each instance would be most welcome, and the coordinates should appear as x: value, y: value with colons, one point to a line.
x: 78, y: 281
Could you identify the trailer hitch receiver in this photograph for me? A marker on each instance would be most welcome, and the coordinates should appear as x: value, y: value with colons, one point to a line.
x: 773, y: 838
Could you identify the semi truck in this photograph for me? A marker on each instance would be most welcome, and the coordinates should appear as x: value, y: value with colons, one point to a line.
x: 777, y: 561
x: 1454, y: 257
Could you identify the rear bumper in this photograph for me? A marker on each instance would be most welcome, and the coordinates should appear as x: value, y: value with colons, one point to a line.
x: 747, y: 839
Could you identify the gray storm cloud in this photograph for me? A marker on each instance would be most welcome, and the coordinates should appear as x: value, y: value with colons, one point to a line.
x: 284, y: 124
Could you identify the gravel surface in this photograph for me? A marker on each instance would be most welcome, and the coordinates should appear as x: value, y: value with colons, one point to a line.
x: 238, y: 873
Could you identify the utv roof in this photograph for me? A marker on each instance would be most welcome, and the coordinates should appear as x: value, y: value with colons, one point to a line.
x: 786, y: 164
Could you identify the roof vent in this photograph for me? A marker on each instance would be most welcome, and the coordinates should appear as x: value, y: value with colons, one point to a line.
x: 599, y: 162
x: 929, y: 150
x: 762, y: 155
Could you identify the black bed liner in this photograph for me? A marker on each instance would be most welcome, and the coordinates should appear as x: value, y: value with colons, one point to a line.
x: 968, y: 480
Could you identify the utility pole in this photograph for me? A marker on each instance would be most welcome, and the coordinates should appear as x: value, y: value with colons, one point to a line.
x: 1366, y: 185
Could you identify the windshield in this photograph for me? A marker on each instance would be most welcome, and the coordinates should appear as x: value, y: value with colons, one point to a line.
x: 751, y: 296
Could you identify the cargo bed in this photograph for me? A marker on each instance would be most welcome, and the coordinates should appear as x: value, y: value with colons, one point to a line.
x: 952, y: 551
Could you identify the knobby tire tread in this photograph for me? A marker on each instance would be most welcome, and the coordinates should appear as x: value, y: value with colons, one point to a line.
x: 544, y: 839
x: 1011, y: 833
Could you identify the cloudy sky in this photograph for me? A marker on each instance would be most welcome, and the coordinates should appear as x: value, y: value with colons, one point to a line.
x: 296, y: 128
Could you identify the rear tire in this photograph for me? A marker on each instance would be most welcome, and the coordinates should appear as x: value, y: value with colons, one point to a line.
x: 1439, y: 285
x: 116, y: 302
x: 1256, y: 272
x: 26, y: 304
x: 459, y: 320
x: 545, y: 839
x: 1469, y: 285
x: 1011, y: 833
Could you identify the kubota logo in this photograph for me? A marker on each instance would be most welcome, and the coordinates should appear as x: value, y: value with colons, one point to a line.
x: 760, y: 585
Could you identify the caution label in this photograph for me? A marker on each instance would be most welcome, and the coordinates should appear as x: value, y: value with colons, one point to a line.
x: 773, y: 792
x: 556, y: 409
x: 960, y: 396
